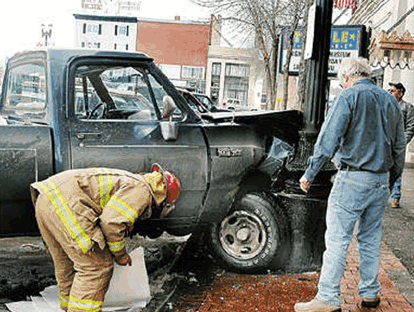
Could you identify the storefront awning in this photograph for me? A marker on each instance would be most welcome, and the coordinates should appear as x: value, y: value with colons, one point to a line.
x: 392, y: 50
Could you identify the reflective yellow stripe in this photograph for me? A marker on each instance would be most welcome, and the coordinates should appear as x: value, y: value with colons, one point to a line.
x: 105, y: 185
x: 123, y: 208
x: 116, y: 246
x: 102, y: 189
x: 84, y: 304
x: 66, y: 215
x: 64, y: 300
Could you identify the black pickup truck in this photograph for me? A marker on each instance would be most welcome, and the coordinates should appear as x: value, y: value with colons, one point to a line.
x: 68, y: 109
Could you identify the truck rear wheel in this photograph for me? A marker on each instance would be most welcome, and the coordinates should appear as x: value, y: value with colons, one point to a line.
x: 253, y: 237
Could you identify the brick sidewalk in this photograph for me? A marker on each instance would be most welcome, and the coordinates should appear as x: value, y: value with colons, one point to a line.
x: 246, y: 293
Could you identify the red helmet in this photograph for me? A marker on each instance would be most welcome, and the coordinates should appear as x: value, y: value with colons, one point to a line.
x: 172, y: 183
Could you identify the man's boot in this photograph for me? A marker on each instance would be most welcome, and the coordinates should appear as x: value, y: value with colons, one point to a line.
x: 316, y: 306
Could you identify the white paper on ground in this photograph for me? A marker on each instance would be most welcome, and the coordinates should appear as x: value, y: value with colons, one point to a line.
x: 21, y: 306
x: 51, y: 296
x: 129, y: 288
x: 43, y: 306
x: 129, y: 284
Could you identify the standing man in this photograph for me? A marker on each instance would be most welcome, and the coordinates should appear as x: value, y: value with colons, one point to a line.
x: 398, y: 91
x: 84, y: 216
x: 364, y: 131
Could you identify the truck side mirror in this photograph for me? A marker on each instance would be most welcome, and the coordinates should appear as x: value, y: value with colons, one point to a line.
x: 169, y: 129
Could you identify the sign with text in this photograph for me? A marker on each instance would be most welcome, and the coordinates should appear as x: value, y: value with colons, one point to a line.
x: 346, y: 42
x: 92, y: 4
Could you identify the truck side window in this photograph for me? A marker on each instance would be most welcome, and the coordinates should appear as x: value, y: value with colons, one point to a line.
x: 117, y: 93
x: 26, y: 91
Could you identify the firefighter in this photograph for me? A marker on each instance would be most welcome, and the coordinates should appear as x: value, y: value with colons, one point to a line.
x: 84, y: 217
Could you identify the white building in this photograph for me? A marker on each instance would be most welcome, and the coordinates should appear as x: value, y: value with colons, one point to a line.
x: 105, y: 32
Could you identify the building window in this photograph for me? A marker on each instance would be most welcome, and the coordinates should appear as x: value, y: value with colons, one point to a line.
x: 84, y: 28
x: 124, y: 30
x: 263, y: 99
x: 92, y: 28
x: 126, y: 47
x: 236, y: 82
x: 116, y: 30
x: 114, y: 46
x: 192, y: 72
x: 83, y: 44
x: 215, y: 81
x: 216, y: 69
x: 98, y: 45
x: 237, y: 70
x: 100, y: 30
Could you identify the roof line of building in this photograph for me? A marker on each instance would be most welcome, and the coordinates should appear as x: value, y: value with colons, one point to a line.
x: 108, y: 18
x: 130, y: 19
x: 200, y: 22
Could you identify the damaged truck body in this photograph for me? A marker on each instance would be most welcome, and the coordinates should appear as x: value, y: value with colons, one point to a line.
x: 68, y: 109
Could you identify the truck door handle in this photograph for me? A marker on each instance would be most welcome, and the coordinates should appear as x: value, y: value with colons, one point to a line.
x: 83, y: 136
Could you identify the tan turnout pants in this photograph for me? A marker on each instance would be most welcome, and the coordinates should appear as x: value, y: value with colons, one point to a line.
x: 83, y: 279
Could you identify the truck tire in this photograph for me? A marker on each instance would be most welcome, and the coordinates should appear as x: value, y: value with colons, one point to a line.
x: 253, y: 237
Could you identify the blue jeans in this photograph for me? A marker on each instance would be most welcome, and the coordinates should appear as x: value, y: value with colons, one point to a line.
x: 396, y: 191
x: 356, y: 196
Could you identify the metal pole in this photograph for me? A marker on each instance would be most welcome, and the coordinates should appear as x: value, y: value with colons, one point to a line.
x: 317, y: 78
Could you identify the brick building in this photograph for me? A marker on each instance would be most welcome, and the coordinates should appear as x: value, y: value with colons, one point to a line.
x: 179, y: 48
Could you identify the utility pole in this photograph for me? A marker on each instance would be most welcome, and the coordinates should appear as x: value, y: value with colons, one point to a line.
x: 314, y: 203
x: 317, y: 80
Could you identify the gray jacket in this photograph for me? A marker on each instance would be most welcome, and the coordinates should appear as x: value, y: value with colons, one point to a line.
x: 408, y: 114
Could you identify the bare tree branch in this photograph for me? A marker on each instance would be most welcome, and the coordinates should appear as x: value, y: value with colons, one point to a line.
x: 263, y: 21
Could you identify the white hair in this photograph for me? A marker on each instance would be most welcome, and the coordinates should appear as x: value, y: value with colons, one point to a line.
x: 355, y: 68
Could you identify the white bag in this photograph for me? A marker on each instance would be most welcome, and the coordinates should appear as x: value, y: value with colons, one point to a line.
x: 129, y: 285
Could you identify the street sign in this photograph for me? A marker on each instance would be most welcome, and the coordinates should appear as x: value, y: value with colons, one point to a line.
x: 346, y: 41
x: 310, y: 32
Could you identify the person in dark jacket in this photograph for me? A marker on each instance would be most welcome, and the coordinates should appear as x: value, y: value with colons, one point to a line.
x: 364, y: 134
x: 398, y: 91
x: 84, y: 216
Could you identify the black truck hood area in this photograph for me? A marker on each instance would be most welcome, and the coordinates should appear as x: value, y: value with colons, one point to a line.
x: 284, y: 125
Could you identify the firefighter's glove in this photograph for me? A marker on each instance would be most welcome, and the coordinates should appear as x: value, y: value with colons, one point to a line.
x: 124, y: 260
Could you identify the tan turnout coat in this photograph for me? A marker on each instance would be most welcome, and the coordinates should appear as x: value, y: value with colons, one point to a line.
x: 84, y: 213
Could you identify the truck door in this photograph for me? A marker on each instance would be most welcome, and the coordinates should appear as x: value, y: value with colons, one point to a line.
x: 115, y: 114
x: 26, y: 144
